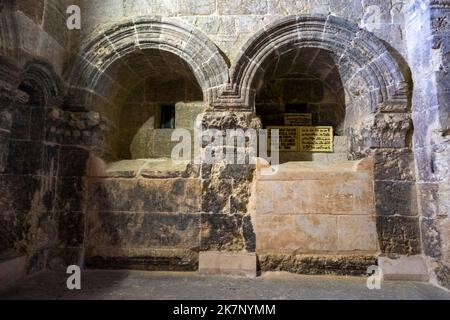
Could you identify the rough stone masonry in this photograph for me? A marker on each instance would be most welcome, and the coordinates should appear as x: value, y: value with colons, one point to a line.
x: 86, y: 118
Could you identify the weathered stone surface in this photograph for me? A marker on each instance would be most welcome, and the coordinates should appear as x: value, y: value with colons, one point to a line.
x: 356, y: 234
x: 432, y: 239
x: 17, y: 193
x: 312, y: 264
x: 187, y: 113
x: 396, y: 198
x: 167, y: 262
x: 399, y: 235
x: 315, y: 208
x: 71, y: 228
x: 220, y: 232
x: 296, y: 233
x: 24, y: 157
x: 394, y: 164
x: 228, y: 263
x: 371, y: 69
x: 145, y: 195
x: 412, y: 268
x: 139, y: 231
x: 72, y: 161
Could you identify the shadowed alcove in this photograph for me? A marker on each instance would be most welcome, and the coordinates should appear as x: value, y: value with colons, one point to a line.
x: 158, y: 93
x: 304, y: 81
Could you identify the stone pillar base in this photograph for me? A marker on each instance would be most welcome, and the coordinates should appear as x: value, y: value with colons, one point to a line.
x: 239, y: 264
x: 413, y: 268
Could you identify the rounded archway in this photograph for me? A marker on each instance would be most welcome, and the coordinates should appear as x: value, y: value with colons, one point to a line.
x: 302, y: 87
x: 116, y: 42
x: 374, y: 82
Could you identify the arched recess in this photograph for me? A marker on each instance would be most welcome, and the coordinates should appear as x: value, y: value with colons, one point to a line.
x: 373, y: 80
x: 118, y: 41
x: 359, y: 54
x: 43, y: 87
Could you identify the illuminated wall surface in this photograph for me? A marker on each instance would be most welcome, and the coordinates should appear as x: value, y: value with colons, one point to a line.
x: 91, y: 93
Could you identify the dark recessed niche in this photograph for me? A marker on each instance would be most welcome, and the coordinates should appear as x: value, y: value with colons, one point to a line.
x: 168, y: 117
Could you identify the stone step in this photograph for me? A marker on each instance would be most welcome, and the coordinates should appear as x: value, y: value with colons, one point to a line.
x: 413, y: 268
x: 240, y: 264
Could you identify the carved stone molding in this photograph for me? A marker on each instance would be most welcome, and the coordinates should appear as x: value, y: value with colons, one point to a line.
x: 359, y: 55
x: 115, y: 42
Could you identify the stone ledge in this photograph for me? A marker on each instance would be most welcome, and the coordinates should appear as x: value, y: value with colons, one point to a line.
x: 341, y: 265
x: 239, y: 264
x: 413, y: 268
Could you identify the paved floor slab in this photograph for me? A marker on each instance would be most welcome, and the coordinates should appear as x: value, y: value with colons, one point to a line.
x: 130, y: 285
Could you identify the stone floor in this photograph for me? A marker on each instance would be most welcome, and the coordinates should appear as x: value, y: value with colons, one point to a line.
x: 105, y: 285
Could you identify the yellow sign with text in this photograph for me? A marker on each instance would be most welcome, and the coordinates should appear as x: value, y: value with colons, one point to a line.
x: 316, y: 139
x: 288, y: 138
x: 305, y: 139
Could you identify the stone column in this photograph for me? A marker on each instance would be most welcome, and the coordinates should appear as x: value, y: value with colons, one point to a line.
x: 428, y: 35
x: 226, y: 224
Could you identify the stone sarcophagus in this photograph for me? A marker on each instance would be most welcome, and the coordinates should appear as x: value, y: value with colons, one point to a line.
x: 316, y: 209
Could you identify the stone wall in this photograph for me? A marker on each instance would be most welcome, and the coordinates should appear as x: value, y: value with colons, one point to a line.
x: 230, y: 23
x: 61, y: 92
x: 428, y: 25
x: 316, y: 211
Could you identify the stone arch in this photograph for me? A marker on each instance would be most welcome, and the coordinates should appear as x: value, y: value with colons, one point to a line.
x: 40, y: 82
x: 112, y: 44
x: 361, y: 56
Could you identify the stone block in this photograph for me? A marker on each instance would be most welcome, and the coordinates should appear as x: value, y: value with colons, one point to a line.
x: 14, y: 231
x: 164, y: 168
x: 242, y: 7
x: 125, y: 168
x: 432, y: 238
x: 17, y: 192
x: 25, y: 157
x: 154, y: 260
x: 396, y: 198
x: 72, y: 161
x: 70, y: 228
x: 222, y: 232
x: 399, y: 235
x: 216, y: 195
x: 145, y: 195
x: 228, y: 263
x: 50, y: 160
x: 357, y: 233
x: 394, y: 164
x: 69, y: 194
x: 196, y: 7
x: 21, y: 122
x: 296, y: 233
x: 337, y: 194
x: 134, y: 234
x: 346, y: 265
x: 412, y: 268
x: 186, y: 114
